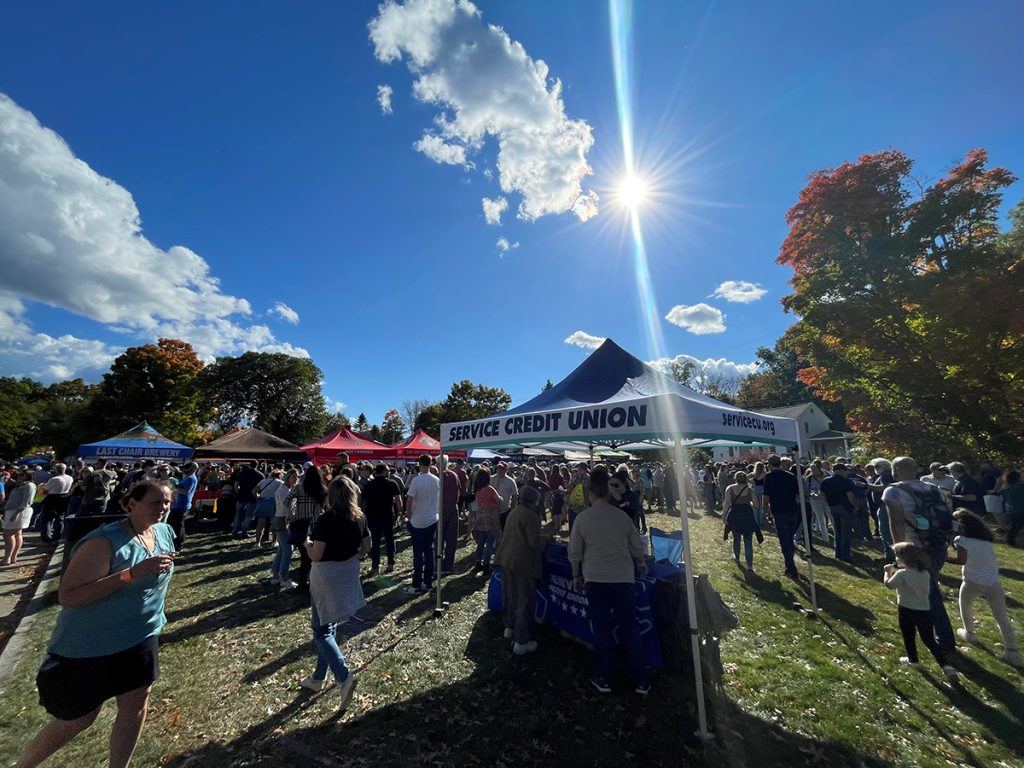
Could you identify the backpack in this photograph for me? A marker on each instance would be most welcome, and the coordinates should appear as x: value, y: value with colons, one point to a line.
x: 932, y: 519
x: 576, y: 498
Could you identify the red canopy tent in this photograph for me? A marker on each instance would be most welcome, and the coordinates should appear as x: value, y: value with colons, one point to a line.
x: 418, y: 443
x: 326, y: 449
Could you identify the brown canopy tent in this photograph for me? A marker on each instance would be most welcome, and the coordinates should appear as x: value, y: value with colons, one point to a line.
x: 252, y: 444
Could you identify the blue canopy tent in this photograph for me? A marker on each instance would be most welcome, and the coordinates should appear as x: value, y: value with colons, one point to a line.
x: 614, y: 398
x: 139, y: 442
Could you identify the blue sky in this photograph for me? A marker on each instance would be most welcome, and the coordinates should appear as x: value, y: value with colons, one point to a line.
x: 251, y: 134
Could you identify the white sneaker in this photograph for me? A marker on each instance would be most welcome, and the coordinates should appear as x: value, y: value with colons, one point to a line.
x: 963, y: 634
x: 288, y: 584
x: 906, y: 660
x: 521, y: 649
x: 346, y: 689
x: 508, y: 633
x: 951, y: 673
x: 313, y: 684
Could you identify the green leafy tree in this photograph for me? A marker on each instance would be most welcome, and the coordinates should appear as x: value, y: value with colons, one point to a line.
x: 274, y: 392
x: 776, y: 383
x: 911, y: 306
x: 391, y: 427
x: 362, y: 425
x: 466, y: 401
x: 20, y: 405
x: 155, y: 383
x: 63, y: 419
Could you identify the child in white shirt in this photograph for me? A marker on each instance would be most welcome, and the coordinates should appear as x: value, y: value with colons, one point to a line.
x: 912, y: 583
x: 974, y: 551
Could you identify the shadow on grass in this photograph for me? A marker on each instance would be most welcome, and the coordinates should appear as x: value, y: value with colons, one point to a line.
x: 531, y: 711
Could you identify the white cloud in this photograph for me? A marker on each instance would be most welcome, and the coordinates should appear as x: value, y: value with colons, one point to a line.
x: 73, y: 239
x: 384, y: 93
x: 739, y: 291
x: 718, y: 367
x: 437, y: 150
x: 285, y: 312
x: 488, y: 174
x: 493, y: 209
x: 485, y: 84
x: 504, y: 246
x: 584, y: 340
x: 336, y: 406
x: 698, y: 319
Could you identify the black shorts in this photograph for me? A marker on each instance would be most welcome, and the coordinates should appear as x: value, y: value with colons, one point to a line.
x: 72, y: 688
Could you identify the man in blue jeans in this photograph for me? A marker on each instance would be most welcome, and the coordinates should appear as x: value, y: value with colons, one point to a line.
x: 842, y: 501
x: 604, y: 547
x: 424, y: 494
x: 245, y: 481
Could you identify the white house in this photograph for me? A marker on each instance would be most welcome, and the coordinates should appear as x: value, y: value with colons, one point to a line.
x: 817, y: 435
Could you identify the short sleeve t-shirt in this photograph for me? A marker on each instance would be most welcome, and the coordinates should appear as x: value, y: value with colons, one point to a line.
x: 968, y: 486
x: 379, y: 497
x: 423, y: 492
x: 908, y: 502
x: 340, y: 535
x: 835, y: 489
x: 58, y: 484
x: 912, y: 588
x: 981, y: 566
x: 506, y: 488
x: 781, y: 489
x: 186, y: 490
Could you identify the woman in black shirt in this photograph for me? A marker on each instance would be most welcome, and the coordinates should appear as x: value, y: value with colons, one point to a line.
x: 338, y: 539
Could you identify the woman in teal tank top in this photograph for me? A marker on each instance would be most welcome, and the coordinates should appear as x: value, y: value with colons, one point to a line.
x: 104, y: 644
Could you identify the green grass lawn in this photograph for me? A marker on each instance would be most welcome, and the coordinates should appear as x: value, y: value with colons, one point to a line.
x: 449, y: 691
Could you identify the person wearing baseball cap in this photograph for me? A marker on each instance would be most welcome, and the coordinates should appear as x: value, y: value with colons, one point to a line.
x: 939, y: 477
x: 838, y: 492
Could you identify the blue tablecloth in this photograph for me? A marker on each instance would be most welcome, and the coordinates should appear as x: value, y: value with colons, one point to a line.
x: 562, y: 607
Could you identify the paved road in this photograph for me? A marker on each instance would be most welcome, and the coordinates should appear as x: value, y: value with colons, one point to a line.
x: 18, y: 583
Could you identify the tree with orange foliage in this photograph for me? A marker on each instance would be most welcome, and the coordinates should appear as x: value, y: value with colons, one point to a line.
x: 911, y: 305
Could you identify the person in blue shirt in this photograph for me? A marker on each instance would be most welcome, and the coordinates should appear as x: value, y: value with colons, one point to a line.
x: 182, y: 503
x: 104, y: 644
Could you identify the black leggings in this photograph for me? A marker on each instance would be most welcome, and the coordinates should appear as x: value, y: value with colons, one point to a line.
x: 912, y: 621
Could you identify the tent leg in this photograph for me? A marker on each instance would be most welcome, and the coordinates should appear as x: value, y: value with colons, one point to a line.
x: 442, y: 465
x: 807, y: 525
x: 691, y: 599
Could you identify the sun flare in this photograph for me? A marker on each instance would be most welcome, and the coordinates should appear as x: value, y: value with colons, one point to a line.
x: 632, y: 191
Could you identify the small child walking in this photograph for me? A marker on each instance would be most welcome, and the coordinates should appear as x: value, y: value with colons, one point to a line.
x: 912, y: 582
x: 974, y: 551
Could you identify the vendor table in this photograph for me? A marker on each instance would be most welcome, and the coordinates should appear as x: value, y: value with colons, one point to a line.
x: 566, y: 609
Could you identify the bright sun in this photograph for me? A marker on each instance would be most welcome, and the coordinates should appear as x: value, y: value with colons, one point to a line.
x: 632, y: 191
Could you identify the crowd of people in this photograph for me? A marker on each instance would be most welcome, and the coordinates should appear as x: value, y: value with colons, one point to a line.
x: 342, y: 520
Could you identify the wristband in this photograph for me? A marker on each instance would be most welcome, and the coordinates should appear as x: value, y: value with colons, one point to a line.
x: 126, y: 576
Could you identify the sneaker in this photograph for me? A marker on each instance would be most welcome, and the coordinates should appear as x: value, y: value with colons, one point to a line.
x: 390, y: 568
x: 601, y: 684
x: 521, y: 649
x: 906, y: 660
x: 508, y: 633
x: 963, y: 634
x: 345, y: 690
x: 288, y: 584
x: 643, y: 689
x: 792, y: 573
x: 950, y: 672
x: 275, y: 579
x: 372, y: 573
x: 313, y: 684
x: 415, y: 591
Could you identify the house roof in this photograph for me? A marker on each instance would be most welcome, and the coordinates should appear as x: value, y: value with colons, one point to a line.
x: 787, y: 411
x: 832, y: 434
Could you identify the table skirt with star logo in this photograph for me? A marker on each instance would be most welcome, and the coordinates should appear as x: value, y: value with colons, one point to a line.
x: 562, y: 607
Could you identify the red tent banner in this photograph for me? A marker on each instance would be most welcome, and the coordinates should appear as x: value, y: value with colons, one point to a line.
x: 326, y: 449
x: 418, y: 443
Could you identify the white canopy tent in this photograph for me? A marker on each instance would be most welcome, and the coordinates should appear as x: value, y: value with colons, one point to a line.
x: 613, y: 397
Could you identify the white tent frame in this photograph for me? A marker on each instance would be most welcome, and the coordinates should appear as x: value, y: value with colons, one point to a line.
x: 691, y: 605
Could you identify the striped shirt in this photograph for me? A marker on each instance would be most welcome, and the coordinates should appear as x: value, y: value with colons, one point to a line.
x: 306, y: 507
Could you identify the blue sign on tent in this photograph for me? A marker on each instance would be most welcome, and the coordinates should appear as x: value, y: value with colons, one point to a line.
x: 139, y: 442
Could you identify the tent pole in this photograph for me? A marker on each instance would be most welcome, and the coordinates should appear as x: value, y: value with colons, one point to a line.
x: 442, y: 465
x: 691, y: 599
x: 807, y: 522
